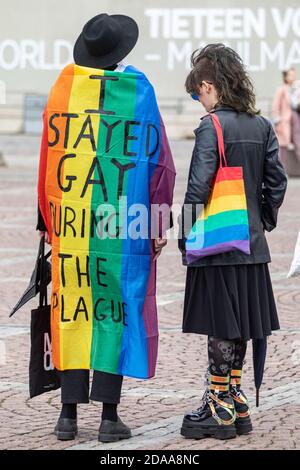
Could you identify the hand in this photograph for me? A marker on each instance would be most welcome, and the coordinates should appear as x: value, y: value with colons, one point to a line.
x: 46, y: 235
x: 159, y: 243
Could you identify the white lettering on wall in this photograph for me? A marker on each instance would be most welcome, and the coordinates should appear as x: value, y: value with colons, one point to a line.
x: 176, y: 32
x: 29, y: 53
x: 185, y: 23
x: 185, y: 29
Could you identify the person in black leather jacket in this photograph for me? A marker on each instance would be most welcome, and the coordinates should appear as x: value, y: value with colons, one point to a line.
x: 229, y: 296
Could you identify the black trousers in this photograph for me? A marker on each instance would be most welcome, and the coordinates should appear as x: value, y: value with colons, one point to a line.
x: 75, y: 385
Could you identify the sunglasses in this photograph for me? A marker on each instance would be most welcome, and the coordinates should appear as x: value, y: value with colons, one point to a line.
x: 194, y: 96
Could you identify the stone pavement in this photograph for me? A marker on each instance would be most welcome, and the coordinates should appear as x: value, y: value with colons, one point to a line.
x: 153, y: 409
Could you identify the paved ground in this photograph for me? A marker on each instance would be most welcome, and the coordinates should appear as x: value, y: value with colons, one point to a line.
x: 153, y: 408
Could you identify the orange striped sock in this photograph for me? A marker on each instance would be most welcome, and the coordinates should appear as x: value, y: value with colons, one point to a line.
x: 235, y: 377
x: 219, y: 383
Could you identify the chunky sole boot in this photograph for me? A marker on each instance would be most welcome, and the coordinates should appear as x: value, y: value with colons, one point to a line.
x: 243, y: 425
x: 215, y: 418
x: 111, y: 431
x: 66, y: 429
x: 218, y: 431
x: 243, y: 421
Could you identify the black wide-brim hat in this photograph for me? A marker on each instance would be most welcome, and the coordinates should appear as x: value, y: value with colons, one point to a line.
x: 105, y: 40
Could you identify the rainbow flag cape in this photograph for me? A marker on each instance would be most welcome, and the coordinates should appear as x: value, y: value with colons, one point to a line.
x: 223, y: 224
x: 103, y: 149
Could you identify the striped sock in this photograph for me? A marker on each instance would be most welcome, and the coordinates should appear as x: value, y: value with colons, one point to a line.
x: 219, y: 383
x: 235, y: 377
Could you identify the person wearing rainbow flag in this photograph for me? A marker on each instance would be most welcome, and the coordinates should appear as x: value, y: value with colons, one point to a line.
x: 104, y: 160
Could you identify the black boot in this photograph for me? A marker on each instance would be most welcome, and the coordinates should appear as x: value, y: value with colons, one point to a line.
x: 243, y: 421
x: 112, y: 431
x: 215, y: 418
x: 66, y: 426
x: 66, y: 429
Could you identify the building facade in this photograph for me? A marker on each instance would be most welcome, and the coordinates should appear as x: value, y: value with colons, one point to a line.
x: 36, y: 40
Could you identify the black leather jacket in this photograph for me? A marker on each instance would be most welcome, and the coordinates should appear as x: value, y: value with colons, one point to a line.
x: 250, y: 142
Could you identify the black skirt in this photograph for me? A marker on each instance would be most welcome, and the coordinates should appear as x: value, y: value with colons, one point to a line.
x: 230, y: 302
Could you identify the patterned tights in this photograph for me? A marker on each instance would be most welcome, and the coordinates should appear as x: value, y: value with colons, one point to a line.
x: 224, y: 355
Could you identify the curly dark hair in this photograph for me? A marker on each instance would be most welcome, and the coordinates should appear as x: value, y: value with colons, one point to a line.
x: 222, y: 66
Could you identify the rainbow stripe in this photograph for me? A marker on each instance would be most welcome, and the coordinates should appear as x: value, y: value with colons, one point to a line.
x: 103, y: 307
x: 223, y: 224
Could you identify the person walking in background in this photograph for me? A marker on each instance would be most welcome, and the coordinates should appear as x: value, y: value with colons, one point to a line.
x: 228, y: 295
x: 286, y: 115
x: 103, y: 141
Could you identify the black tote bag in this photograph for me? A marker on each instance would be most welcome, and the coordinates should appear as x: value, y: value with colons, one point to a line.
x: 42, y: 375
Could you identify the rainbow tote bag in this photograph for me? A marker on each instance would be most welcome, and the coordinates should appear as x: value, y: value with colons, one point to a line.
x: 223, y: 224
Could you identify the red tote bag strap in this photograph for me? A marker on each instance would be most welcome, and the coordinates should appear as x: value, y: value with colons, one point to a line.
x: 219, y: 131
